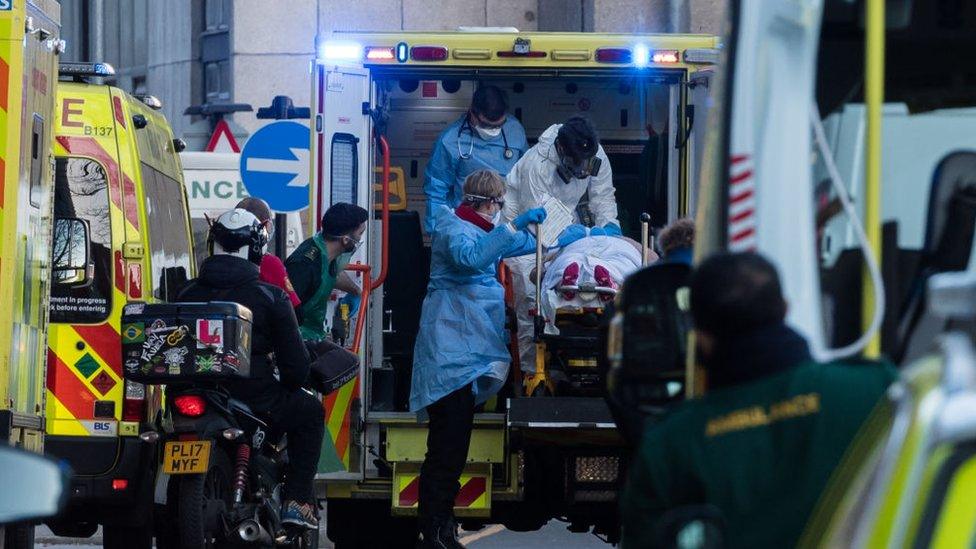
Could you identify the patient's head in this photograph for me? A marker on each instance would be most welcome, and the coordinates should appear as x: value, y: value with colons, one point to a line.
x: 679, y: 235
x: 484, y: 190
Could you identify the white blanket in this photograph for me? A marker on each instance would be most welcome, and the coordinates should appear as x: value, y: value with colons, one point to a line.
x: 619, y: 256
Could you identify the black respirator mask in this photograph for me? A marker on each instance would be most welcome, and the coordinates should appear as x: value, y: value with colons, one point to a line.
x: 569, y: 168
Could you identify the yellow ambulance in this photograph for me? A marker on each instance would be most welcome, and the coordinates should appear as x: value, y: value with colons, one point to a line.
x: 29, y: 45
x: 119, y: 189
x: 530, y: 460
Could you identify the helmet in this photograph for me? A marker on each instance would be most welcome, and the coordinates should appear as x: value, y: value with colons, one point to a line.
x: 238, y: 232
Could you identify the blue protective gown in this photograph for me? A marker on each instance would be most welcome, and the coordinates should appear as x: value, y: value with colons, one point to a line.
x: 448, y: 167
x: 462, y: 325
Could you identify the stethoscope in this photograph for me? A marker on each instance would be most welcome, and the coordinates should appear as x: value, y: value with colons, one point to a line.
x: 508, y: 154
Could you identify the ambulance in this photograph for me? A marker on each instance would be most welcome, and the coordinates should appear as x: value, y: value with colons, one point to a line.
x: 120, y: 201
x: 379, y: 102
x: 29, y: 46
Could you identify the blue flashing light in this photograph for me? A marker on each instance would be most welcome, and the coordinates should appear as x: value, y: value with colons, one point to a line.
x: 642, y: 56
x: 402, y: 52
x: 342, y: 51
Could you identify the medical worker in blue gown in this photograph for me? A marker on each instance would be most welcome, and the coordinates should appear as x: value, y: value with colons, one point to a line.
x: 461, y: 356
x: 485, y: 138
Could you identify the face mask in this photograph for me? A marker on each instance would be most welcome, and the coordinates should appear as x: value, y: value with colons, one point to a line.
x: 496, y: 219
x: 488, y: 133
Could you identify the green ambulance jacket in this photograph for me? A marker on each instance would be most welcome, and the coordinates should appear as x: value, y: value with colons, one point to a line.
x: 761, y: 452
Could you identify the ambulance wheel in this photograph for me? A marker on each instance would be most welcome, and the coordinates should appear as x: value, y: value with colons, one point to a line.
x: 18, y: 536
x: 202, y: 500
x: 126, y: 537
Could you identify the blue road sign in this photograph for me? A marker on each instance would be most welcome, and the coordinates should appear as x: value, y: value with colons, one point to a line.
x: 275, y: 165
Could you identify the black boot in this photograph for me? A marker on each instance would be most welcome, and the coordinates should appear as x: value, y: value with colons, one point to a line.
x: 439, y: 533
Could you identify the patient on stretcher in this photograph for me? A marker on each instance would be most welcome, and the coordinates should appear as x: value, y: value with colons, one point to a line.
x: 588, y: 272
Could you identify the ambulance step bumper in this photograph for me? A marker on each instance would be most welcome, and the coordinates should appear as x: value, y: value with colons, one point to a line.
x: 575, y: 413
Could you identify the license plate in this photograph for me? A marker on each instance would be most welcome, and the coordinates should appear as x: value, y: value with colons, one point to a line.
x: 186, y: 457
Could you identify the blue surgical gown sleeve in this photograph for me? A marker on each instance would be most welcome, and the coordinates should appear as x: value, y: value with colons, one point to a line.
x: 523, y: 244
x: 438, y: 180
x: 479, y: 253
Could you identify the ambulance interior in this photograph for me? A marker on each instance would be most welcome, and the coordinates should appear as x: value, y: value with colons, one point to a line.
x: 631, y: 114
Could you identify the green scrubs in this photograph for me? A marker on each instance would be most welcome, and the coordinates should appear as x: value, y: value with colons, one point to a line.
x: 308, y: 270
x: 760, y: 452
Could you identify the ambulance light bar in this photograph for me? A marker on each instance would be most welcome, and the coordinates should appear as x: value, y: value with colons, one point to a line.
x: 665, y: 56
x: 702, y: 55
x: 342, y: 51
x: 85, y: 69
x: 374, y: 53
x: 614, y: 55
x: 428, y: 53
x: 640, y: 56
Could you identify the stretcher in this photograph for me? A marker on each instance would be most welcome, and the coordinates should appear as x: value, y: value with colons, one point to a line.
x: 567, y: 320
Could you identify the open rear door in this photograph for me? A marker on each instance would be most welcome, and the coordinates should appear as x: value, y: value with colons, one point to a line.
x: 699, y: 100
x: 342, y: 172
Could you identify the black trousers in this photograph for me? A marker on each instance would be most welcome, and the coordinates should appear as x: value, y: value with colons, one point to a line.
x: 301, y: 417
x: 448, y: 438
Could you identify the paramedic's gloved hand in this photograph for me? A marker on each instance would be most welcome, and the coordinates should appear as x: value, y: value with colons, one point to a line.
x: 572, y: 234
x: 533, y: 216
x: 598, y: 231
x: 353, y: 302
x: 611, y: 229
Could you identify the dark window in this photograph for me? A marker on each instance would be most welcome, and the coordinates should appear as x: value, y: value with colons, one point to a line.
x: 81, y: 191
x: 169, y: 244
x: 36, y: 162
x: 214, y: 47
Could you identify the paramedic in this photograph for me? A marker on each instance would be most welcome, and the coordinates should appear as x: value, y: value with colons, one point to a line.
x: 237, y: 239
x: 461, y: 357
x: 677, y: 241
x: 485, y: 138
x: 763, y: 442
x: 272, y: 269
x: 567, y: 164
x: 316, y: 267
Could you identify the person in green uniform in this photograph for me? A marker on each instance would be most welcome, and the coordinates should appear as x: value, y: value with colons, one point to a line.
x: 761, y: 445
x: 318, y: 265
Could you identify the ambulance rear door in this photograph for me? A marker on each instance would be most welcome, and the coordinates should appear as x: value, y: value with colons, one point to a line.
x: 342, y: 171
x: 699, y: 103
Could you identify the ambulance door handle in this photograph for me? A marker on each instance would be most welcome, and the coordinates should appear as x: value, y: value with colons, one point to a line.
x: 318, y: 123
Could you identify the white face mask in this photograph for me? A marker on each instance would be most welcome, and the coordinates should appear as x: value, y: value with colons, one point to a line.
x: 494, y: 219
x: 488, y: 133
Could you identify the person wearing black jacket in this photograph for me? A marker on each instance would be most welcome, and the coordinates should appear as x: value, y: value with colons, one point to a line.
x: 237, y: 240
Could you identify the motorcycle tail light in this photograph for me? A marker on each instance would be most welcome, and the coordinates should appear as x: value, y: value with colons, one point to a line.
x: 190, y: 405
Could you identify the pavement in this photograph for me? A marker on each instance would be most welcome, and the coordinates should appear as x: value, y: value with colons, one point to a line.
x: 553, y: 534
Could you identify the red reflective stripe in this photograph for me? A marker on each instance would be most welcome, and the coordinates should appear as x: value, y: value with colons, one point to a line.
x: 131, y: 202
x: 105, y: 341
x: 736, y: 158
x: 745, y: 195
x: 741, y: 177
x: 743, y: 234
x: 87, y: 146
x: 119, y: 114
x: 471, y: 491
x: 744, y: 214
x: 4, y: 82
x: 410, y: 494
x: 69, y: 390
x: 342, y: 440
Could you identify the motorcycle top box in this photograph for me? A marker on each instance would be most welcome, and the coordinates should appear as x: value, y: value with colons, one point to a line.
x: 167, y: 342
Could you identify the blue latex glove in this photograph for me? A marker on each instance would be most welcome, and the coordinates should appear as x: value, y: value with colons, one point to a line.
x: 533, y: 216
x: 353, y: 301
x: 571, y: 234
x: 611, y: 229
x: 598, y: 231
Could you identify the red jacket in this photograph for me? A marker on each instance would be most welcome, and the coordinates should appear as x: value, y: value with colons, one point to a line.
x: 273, y: 272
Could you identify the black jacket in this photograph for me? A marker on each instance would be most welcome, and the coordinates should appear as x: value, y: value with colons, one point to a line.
x: 274, y: 328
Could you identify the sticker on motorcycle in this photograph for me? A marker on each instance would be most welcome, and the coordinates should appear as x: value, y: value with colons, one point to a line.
x: 174, y: 359
x: 210, y: 334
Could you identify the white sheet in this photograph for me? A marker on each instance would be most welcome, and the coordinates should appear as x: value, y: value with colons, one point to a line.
x: 620, y: 257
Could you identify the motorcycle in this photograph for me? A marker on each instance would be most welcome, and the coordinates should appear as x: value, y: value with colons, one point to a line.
x: 225, y: 474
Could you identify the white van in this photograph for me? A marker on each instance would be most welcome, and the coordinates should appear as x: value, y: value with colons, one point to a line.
x: 213, y: 185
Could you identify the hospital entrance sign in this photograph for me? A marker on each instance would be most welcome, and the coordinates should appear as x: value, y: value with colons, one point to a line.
x: 275, y: 165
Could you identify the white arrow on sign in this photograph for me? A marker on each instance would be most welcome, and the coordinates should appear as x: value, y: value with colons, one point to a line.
x: 297, y: 167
